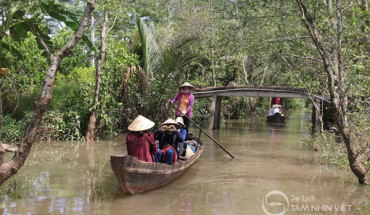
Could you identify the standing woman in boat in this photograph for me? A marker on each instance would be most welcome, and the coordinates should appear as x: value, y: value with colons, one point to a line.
x: 275, y: 101
x: 185, y: 104
x: 140, y: 143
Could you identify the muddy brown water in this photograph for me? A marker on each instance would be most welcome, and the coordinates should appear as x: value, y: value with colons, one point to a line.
x: 273, y: 173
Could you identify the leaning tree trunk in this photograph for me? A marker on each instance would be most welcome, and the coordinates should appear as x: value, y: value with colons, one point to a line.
x: 10, y: 168
x: 92, y: 121
x: 213, y: 48
x: 336, y: 102
x: 1, y: 111
x: 364, y: 5
x: 2, y: 150
x: 92, y: 38
x: 253, y: 106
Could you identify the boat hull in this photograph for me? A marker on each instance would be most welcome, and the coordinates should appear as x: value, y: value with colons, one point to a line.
x: 137, y: 176
x: 276, y: 118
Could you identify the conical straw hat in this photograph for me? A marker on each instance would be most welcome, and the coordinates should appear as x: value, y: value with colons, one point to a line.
x: 187, y: 84
x: 170, y: 122
x: 180, y: 121
x: 140, y: 124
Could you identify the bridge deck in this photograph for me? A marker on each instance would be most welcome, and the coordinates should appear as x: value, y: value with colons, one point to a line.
x: 243, y: 91
x: 216, y: 93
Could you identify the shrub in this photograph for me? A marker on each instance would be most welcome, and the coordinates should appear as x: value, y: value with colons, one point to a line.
x: 333, y: 150
x: 60, y: 126
x: 12, y: 130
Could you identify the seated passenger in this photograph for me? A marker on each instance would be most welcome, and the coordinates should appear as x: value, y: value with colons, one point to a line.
x: 274, y: 109
x: 139, y: 142
x: 182, y: 130
x: 169, y: 139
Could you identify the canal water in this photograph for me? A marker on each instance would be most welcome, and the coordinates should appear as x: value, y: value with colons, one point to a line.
x: 272, y: 173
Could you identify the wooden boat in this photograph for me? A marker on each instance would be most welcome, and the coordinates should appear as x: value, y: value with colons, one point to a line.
x: 139, y: 176
x: 277, y: 118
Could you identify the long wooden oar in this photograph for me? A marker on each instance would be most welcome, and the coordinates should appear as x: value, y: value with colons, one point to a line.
x: 204, y: 132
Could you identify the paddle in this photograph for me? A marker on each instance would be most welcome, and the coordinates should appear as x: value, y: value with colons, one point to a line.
x: 204, y: 132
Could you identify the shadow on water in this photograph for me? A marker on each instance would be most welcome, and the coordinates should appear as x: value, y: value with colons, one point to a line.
x: 76, y: 178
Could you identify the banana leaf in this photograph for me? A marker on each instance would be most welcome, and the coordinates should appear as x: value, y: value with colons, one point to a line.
x: 70, y: 19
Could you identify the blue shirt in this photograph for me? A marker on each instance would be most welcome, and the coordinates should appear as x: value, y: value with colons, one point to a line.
x: 183, y: 133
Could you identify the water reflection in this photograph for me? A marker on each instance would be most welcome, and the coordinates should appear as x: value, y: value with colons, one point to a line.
x: 91, y: 195
x: 60, y: 178
x: 76, y: 178
x: 274, y: 130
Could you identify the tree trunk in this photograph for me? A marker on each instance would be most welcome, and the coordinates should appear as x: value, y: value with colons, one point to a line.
x: 2, y: 150
x: 339, y: 112
x: 212, y: 48
x: 1, y: 111
x: 253, y: 101
x: 317, y: 122
x: 213, y: 65
x: 329, y: 3
x: 169, y: 4
x: 10, y: 168
x: 253, y: 104
x: 92, y: 121
x: 203, y: 74
x: 339, y: 56
x: 364, y: 5
x: 244, y: 62
x: 92, y: 35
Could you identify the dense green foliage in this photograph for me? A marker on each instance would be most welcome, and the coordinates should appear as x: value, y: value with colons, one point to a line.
x: 205, y: 42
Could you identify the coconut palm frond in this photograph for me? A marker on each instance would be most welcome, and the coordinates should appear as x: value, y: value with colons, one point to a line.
x: 151, y: 50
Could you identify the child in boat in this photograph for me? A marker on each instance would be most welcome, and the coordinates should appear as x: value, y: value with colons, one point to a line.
x: 187, y: 149
x: 169, y: 139
x: 139, y: 142
x: 182, y: 130
x: 181, y: 147
x: 185, y: 102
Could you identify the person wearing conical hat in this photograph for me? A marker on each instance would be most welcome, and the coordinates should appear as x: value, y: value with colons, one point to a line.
x: 169, y: 142
x: 139, y: 142
x: 185, y: 102
x: 182, y: 131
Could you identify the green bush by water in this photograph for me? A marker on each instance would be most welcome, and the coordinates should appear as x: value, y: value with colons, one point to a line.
x: 333, y: 150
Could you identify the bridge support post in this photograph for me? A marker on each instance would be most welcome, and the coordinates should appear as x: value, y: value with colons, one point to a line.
x: 215, y: 115
x: 316, y: 124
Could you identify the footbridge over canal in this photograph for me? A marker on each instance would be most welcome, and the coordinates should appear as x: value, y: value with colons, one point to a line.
x: 216, y: 94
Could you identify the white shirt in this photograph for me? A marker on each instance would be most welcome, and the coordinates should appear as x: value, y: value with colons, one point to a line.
x: 273, y: 111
